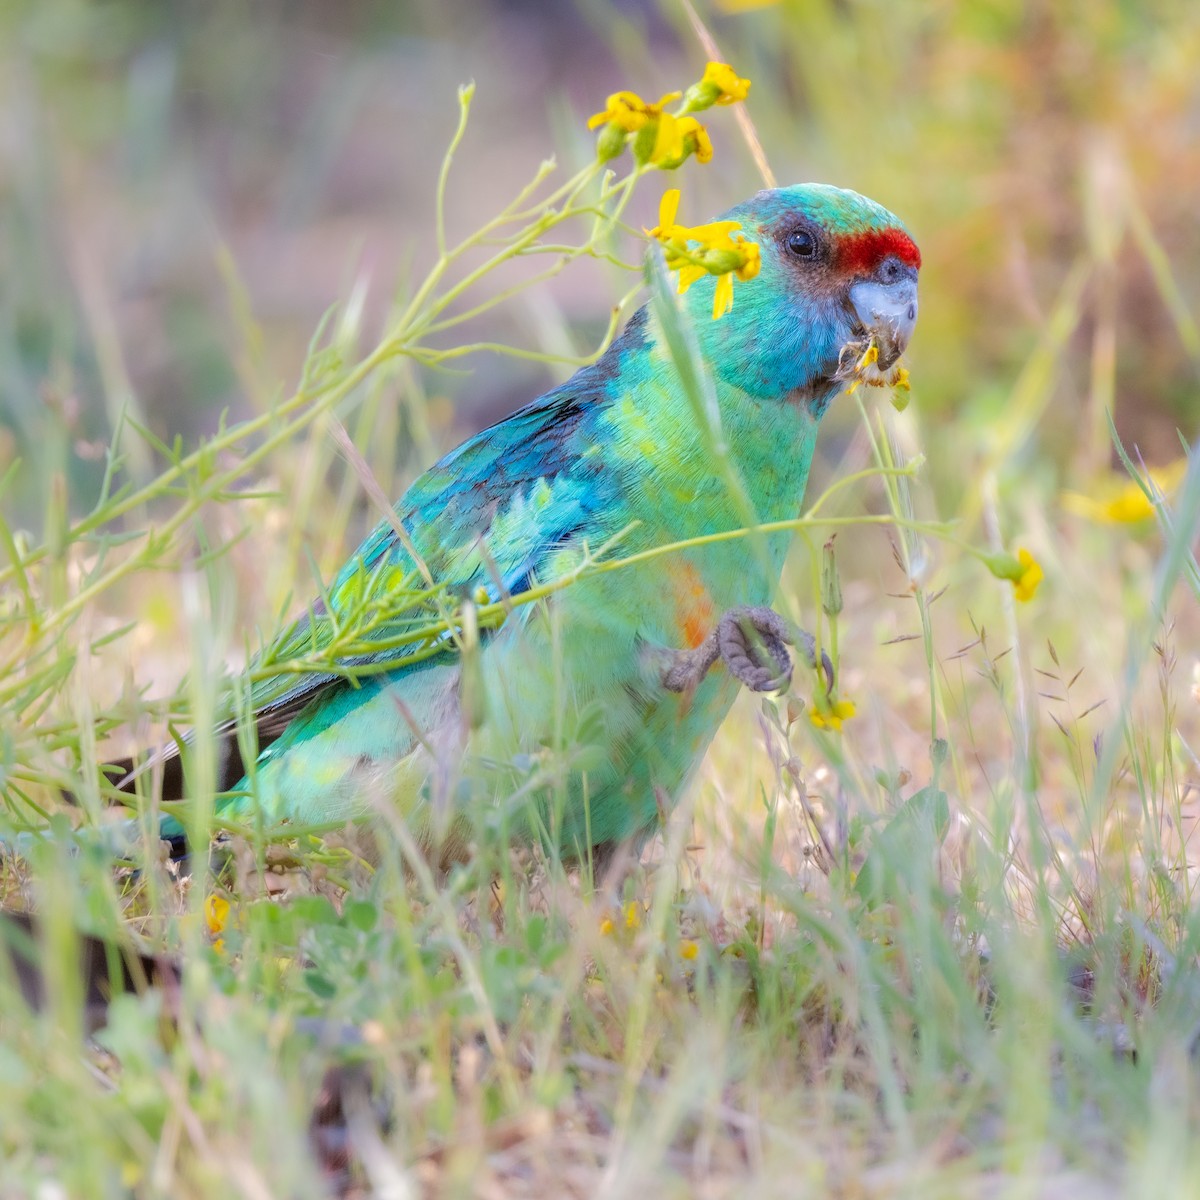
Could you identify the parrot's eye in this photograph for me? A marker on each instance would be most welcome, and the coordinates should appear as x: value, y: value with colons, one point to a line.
x: 891, y: 270
x: 802, y: 244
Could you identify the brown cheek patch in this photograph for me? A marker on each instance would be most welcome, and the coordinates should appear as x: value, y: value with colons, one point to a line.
x: 863, y: 252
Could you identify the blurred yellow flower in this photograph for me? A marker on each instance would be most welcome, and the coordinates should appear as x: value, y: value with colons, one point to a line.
x: 1026, y: 584
x: 825, y: 714
x: 717, y: 253
x: 1023, y: 571
x: 688, y: 949
x: 1121, y: 501
x: 631, y: 916
x: 216, y: 913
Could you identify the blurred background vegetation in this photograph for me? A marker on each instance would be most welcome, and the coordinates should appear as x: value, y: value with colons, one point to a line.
x: 174, y: 176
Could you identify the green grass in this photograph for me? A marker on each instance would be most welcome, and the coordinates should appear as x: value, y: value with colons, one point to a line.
x: 949, y: 951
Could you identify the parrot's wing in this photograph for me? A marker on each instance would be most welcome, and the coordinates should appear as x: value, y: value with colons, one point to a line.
x: 483, y: 520
x: 489, y: 515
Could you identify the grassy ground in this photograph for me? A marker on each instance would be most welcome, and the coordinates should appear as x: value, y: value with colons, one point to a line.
x: 949, y: 950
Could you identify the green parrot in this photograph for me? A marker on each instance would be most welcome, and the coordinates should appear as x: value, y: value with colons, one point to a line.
x: 577, y: 718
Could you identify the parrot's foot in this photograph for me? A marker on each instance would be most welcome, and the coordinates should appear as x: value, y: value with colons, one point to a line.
x: 752, y: 642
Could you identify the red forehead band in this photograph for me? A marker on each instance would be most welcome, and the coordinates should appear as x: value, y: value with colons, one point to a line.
x: 863, y: 252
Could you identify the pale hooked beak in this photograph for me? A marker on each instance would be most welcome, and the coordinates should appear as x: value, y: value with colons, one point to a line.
x: 888, y: 312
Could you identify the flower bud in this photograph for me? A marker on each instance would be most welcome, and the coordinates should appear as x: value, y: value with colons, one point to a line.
x: 644, y: 142
x: 831, y: 585
x: 611, y: 142
x: 700, y: 96
x: 721, y: 262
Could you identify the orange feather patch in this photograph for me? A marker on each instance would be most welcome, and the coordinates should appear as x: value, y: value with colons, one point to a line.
x: 693, y: 606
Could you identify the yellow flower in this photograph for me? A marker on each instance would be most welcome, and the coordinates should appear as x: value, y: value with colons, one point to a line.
x: 731, y: 86
x: 1024, y: 571
x: 751, y: 260
x: 633, y: 915
x: 688, y: 949
x: 668, y: 210
x: 676, y: 138
x: 1121, y: 501
x: 723, y: 296
x: 628, y: 111
x: 717, y: 253
x: 869, y: 358
x: 1129, y: 507
x: 216, y: 913
x: 1031, y: 575
x: 606, y: 927
x: 721, y: 85
x: 825, y: 714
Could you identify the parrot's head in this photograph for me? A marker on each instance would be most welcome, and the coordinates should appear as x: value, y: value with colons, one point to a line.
x: 838, y: 276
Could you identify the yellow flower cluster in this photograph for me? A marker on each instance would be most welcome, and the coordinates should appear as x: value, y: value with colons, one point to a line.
x: 632, y: 918
x: 715, y: 252
x: 829, y: 714
x: 660, y: 138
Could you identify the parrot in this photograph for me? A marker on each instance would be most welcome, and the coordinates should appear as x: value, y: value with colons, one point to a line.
x: 579, y: 718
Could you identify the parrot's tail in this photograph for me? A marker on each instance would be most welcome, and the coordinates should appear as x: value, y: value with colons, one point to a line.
x: 121, y: 841
x: 161, y: 773
x: 163, y: 770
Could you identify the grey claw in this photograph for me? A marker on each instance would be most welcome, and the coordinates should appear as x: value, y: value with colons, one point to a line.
x: 689, y: 667
x: 752, y: 642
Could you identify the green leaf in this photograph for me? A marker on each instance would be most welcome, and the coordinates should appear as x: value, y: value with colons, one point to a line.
x: 319, y: 985
x: 360, y: 915
x: 900, y: 861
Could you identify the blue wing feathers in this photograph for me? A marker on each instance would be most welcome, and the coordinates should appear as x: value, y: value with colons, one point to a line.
x: 501, y: 503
